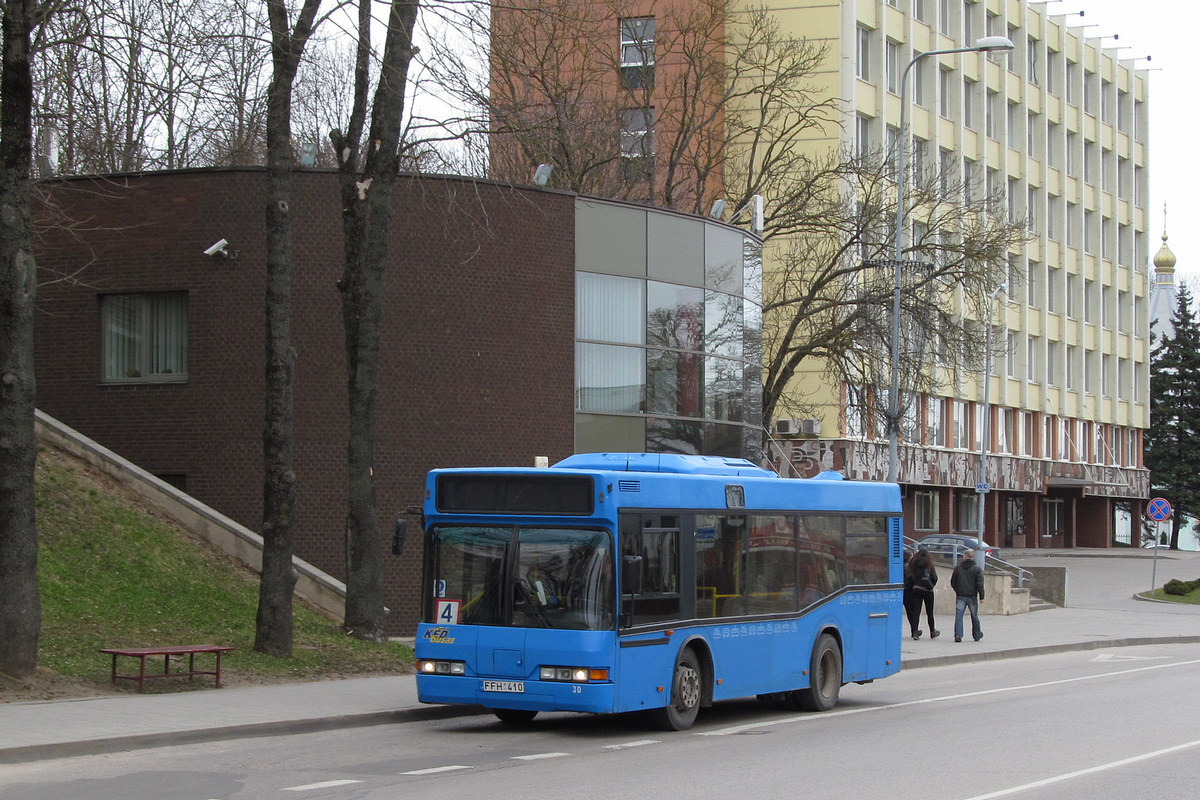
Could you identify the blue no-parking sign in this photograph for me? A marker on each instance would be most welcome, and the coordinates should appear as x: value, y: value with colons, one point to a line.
x: 1158, y: 509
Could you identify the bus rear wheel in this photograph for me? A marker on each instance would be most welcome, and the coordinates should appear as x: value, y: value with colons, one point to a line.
x: 684, y: 703
x: 514, y: 716
x: 824, y: 675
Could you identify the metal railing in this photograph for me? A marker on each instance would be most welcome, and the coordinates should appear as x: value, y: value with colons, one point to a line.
x: 991, y: 564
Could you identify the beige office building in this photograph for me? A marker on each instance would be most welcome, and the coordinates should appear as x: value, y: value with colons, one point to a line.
x: 1059, y: 127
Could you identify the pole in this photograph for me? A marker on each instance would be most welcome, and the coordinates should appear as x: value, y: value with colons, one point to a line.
x: 984, y: 488
x: 986, y: 44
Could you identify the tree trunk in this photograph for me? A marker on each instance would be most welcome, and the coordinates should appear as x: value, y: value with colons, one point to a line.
x: 20, y: 601
x: 367, y: 210
x: 273, y: 626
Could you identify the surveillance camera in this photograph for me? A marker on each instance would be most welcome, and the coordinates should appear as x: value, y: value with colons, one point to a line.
x: 218, y: 248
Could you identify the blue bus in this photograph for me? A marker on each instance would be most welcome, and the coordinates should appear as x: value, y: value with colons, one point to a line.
x: 617, y: 582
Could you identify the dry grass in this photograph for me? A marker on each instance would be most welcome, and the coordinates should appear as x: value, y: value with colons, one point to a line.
x: 112, y: 574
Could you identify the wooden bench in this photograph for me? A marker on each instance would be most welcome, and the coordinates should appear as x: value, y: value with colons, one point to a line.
x: 142, y: 653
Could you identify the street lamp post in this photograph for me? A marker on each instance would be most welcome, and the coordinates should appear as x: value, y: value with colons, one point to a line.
x: 984, y: 45
x: 983, y: 487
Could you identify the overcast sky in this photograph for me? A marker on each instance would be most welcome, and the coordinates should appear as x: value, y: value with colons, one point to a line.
x: 1169, y: 32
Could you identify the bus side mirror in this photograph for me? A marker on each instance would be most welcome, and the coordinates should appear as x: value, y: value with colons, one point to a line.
x: 631, y: 575
x: 398, y: 535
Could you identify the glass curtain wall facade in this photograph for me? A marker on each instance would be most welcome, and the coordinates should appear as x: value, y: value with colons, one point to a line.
x: 668, y: 328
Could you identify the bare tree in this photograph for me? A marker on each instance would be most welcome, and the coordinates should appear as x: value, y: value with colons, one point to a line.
x: 273, y: 630
x: 829, y: 296
x: 127, y: 85
x: 20, y: 600
x: 367, y: 175
x: 705, y: 101
x: 699, y: 102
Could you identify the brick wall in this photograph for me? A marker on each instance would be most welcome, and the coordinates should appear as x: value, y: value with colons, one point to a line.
x: 477, y: 339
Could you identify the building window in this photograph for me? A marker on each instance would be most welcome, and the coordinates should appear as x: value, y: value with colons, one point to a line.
x: 637, y: 52
x: 1052, y: 517
x: 1053, y: 145
x: 862, y: 135
x: 892, y: 54
x: 968, y: 106
x: 925, y: 511
x: 1007, y: 431
x: 863, y: 53
x: 935, y: 421
x: 960, y: 423
x: 637, y: 132
x: 145, y: 336
x: 944, y: 92
x: 920, y: 93
x: 968, y: 511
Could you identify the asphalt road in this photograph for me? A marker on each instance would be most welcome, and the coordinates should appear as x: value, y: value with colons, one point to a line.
x: 1119, y: 723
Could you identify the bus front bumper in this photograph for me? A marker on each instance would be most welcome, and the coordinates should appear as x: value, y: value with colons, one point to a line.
x: 596, y: 698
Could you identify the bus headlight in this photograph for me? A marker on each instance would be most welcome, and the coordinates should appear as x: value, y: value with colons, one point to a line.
x: 572, y: 674
x: 431, y: 667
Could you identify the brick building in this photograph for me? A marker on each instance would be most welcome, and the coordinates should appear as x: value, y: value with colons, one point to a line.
x: 154, y: 348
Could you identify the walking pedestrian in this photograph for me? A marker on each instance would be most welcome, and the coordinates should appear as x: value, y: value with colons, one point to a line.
x: 920, y: 576
x: 906, y: 597
x: 967, y: 580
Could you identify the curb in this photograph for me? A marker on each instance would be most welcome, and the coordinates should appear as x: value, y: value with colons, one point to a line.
x: 1041, y: 650
x: 288, y: 727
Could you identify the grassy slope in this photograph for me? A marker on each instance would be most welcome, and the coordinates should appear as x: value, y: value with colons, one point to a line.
x: 112, y: 574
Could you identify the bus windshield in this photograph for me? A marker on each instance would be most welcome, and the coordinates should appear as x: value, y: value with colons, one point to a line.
x: 525, y: 577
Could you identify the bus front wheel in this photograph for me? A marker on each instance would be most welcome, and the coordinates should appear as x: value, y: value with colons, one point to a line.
x: 684, y: 703
x: 514, y: 716
x: 824, y: 676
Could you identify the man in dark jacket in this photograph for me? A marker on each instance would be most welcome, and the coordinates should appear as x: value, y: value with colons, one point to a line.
x: 967, y: 580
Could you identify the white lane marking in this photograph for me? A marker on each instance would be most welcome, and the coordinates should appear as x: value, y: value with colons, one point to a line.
x: 433, y: 770
x: 627, y: 745
x: 1115, y: 657
x: 946, y: 698
x: 1090, y: 770
x: 322, y: 785
x: 536, y: 756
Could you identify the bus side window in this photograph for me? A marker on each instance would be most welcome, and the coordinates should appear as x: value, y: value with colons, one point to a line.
x: 652, y: 545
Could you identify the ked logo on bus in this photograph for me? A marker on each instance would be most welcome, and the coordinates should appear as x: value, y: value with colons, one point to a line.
x: 439, y: 636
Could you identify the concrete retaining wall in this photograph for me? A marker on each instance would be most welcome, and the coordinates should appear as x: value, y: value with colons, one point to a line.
x: 1050, y: 584
x: 1000, y: 596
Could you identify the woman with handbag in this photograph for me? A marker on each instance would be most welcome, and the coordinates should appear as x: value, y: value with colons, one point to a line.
x: 920, y: 576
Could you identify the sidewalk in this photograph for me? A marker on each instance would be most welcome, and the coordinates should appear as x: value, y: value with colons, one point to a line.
x: 1102, y: 612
